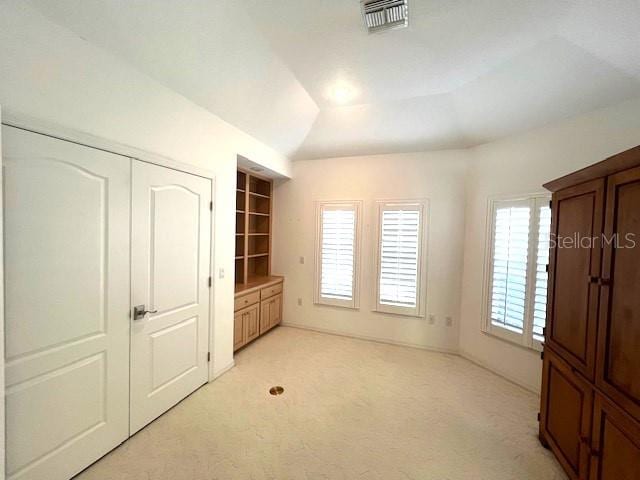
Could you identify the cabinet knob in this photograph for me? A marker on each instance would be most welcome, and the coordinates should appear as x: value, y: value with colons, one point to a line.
x: 593, y: 279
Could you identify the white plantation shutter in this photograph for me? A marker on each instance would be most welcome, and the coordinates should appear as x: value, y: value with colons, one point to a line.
x: 399, y: 257
x: 542, y: 260
x: 518, y: 269
x: 337, y: 255
x: 509, y: 280
x: 338, y: 236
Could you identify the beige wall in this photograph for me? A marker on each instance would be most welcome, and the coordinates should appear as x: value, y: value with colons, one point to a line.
x: 51, y: 74
x: 436, y: 176
x: 458, y: 185
x: 521, y: 164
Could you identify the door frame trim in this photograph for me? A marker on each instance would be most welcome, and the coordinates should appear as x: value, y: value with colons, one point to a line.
x: 2, y: 381
x: 51, y: 129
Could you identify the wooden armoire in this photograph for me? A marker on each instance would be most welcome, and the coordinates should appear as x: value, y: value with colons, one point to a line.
x: 590, y: 407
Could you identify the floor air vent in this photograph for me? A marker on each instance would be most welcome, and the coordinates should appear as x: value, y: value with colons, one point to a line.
x: 277, y: 390
x: 385, y: 14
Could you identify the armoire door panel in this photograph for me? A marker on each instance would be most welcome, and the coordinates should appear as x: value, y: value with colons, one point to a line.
x: 619, y: 322
x: 573, y: 272
x: 66, y: 240
x: 615, y: 443
x: 566, y: 414
x: 170, y: 265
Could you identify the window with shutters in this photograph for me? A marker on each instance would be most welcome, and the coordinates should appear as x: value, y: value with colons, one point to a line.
x: 401, y: 269
x: 337, y: 257
x: 516, y: 271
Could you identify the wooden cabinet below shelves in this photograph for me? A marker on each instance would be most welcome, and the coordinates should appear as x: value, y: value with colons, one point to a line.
x: 270, y: 313
x: 246, y: 326
x: 238, y: 331
x: 258, y: 306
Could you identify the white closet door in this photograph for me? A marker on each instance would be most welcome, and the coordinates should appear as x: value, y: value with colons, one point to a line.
x: 171, y: 232
x: 66, y: 234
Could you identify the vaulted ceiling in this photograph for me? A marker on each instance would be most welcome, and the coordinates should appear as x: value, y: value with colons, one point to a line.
x: 463, y: 73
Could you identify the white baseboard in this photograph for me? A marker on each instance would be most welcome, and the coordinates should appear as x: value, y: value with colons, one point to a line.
x: 531, y: 388
x: 223, y: 370
x: 451, y: 351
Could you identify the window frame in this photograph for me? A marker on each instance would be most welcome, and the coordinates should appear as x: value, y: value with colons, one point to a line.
x: 318, y: 299
x: 534, y: 201
x: 419, y: 311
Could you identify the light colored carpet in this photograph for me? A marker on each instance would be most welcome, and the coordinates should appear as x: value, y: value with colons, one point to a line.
x: 351, y: 409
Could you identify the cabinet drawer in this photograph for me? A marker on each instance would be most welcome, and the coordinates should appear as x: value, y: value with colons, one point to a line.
x: 246, y: 300
x: 271, y: 291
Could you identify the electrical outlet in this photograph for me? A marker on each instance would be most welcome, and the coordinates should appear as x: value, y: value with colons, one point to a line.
x: 432, y: 319
x: 221, y: 273
x: 301, y: 260
x: 299, y: 301
x: 449, y: 321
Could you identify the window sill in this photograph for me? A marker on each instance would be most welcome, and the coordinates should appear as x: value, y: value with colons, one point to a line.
x: 512, y: 338
x: 336, y: 304
x: 398, y: 313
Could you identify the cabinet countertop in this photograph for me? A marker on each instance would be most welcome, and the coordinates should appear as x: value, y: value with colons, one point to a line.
x: 256, y: 283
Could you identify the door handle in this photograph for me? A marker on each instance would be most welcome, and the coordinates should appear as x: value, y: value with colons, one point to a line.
x: 139, y: 312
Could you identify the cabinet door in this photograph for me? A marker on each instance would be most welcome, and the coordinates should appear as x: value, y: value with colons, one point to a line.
x: 574, y: 270
x: 615, y: 443
x: 238, y: 331
x: 265, y: 317
x: 275, y: 311
x: 251, y: 322
x: 618, y: 370
x: 565, y: 415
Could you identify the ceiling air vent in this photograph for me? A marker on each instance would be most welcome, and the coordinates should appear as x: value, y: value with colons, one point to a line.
x: 385, y: 14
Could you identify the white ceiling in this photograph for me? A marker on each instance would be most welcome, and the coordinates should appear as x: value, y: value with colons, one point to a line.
x: 463, y: 73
